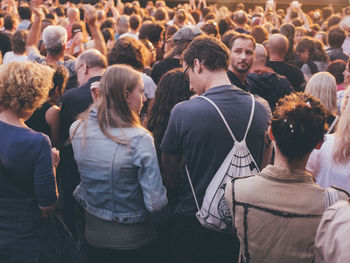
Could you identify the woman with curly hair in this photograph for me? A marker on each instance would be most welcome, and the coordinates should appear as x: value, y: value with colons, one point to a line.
x: 283, y: 202
x: 27, y: 163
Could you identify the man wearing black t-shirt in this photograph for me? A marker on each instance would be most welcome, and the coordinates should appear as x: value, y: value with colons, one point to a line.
x: 197, y: 134
x: 278, y: 46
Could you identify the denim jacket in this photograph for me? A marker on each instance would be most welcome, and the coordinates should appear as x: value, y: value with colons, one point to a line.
x: 119, y: 182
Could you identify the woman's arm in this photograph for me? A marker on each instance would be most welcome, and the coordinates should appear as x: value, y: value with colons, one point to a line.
x: 154, y: 192
x: 44, y: 181
x: 52, y: 117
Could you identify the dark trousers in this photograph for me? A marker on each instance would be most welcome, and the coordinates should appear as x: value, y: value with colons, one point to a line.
x: 145, y: 254
x: 190, y: 242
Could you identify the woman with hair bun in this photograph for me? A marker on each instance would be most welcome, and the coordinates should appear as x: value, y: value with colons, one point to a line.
x: 120, y: 178
x: 277, y: 212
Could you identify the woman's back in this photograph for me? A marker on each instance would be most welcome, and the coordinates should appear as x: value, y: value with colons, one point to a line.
x: 116, y: 179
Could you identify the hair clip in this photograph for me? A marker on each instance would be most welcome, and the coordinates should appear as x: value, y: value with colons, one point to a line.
x: 291, y: 128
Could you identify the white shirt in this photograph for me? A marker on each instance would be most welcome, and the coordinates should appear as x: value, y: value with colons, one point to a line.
x: 326, y: 171
x: 149, y: 86
x: 12, y: 57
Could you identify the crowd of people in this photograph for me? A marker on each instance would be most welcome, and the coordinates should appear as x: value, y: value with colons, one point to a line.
x: 116, y: 118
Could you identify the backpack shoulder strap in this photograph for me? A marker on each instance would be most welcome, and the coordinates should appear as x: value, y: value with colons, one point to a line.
x: 222, y: 117
x: 224, y: 120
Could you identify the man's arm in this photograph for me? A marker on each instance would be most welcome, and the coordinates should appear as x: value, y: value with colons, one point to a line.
x: 91, y: 19
x: 170, y: 165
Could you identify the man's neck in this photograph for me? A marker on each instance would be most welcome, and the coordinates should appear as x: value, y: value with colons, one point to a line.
x: 217, y: 78
x: 53, y: 59
x: 274, y: 57
x: 239, y: 75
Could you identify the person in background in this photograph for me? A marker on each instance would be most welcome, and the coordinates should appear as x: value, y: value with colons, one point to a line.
x: 336, y: 37
x: 331, y: 164
x: 28, y: 188
x: 283, y: 202
x: 117, y: 219
x: 314, y: 59
x: 46, y: 119
x: 323, y: 86
x: 337, y: 68
x: 18, y: 44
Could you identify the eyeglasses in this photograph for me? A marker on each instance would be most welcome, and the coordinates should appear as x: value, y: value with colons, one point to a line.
x: 185, y: 76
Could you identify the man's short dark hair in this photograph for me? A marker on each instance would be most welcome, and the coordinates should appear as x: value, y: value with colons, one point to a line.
x: 242, y: 36
x: 24, y: 12
x: 18, y: 41
x: 240, y: 17
x: 134, y: 21
x: 211, y: 52
x: 336, y: 37
x: 9, y: 22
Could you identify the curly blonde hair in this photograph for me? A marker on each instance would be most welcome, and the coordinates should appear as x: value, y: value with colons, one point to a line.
x: 24, y: 87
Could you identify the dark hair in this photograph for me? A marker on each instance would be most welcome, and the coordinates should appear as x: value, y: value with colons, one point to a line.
x: 18, y: 41
x: 60, y: 78
x: 154, y: 31
x: 297, y: 22
x: 160, y: 14
x: 172, y: 89
x: 128, y: 50
x: 241, y: 36
x: 211, y: 28
x: 210, y: 51
x: 9, y: 22
x: 333, y: 21
x: 336, y: 68
x: 225, y: 24
x: 24, y: 12
x: 134, y: 21
x: 298, y: 124
x: 108, y: 23
x: 226, y: 38
x: 326, y: 12
x: 108, y: 34
x: 260, y: 34
x: 336, y: 37
x: 59, y: 11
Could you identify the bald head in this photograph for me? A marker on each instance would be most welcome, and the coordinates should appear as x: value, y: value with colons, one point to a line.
x: 93, y: 59
x: 277, y: 45
x: 260, y: 55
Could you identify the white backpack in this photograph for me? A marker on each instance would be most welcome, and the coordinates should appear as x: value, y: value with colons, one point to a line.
x: 214, y: 213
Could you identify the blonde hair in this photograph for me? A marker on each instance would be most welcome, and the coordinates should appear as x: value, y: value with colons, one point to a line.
x: 112, y: 105
x: 24, y: 86
x: 341, y: 148
x: 323, y: 86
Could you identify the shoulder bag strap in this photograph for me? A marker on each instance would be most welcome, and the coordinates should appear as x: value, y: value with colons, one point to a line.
x: 332, y: 125
x: 331, y: 196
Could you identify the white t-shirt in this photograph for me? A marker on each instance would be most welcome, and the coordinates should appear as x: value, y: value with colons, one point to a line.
x: 12, y: 57
x: 326, y: 171
x: 128, y: 34
x: 149, y: 86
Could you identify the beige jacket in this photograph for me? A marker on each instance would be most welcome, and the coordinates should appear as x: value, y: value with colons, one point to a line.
x: 332, y: 243
x: 276, y: 214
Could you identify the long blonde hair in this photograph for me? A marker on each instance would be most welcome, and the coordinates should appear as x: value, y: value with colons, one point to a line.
x: 112, y: 106
x: 341, y: 149
x: 323, y: 86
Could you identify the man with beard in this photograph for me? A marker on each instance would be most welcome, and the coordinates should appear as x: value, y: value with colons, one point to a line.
x: 242, y: 54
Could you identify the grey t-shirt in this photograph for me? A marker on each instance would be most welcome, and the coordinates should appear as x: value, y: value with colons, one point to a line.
x: 197, y: 132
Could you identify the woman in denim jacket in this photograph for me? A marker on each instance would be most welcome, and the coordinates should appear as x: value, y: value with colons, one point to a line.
x: 120, y: 179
